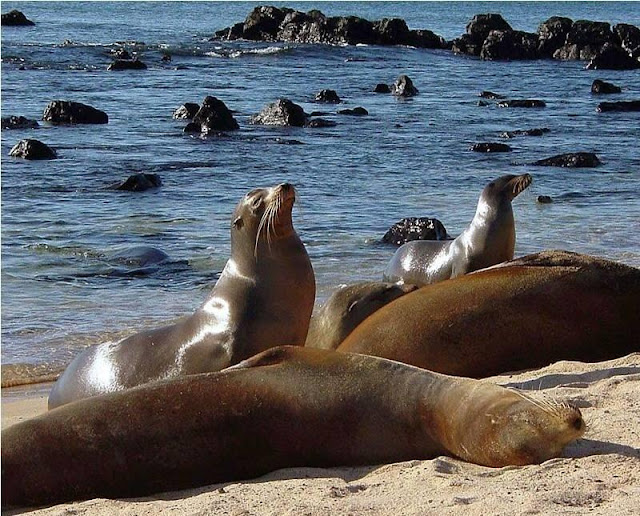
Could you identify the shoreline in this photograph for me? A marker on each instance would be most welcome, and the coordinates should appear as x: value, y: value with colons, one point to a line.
x: 599, y: 474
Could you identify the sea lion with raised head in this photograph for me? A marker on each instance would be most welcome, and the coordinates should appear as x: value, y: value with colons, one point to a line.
x: 264, y: 298
x: 347, y: 307
x: 287, y: 407
x: 523, y: 314
x: 488, y: 240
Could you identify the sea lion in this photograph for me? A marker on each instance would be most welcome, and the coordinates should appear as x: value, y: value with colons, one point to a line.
x: 347, y: 307
x: 264, y: 298
x: 523, y: 314
x: 489, y: 239
x: 287, y: 407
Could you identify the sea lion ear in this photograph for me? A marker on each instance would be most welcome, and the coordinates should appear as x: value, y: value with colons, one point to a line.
x: 238, y: 223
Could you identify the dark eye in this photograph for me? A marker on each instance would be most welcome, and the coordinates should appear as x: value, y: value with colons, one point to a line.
x: 238, y: 223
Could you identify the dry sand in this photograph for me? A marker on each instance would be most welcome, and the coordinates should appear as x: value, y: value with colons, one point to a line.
x: 599, y: 474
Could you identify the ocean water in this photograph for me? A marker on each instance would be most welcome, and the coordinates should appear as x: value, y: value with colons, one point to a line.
x: 62, y: 288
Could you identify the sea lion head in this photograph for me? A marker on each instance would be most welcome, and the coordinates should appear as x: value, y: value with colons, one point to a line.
x: 261, y: 217
x: 506, y: 187
x: 517, y: 429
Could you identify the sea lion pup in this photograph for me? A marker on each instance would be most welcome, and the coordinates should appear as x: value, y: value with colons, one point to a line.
x: 524, y: 314
x: 264, y: 298
x: 489, y: 239
x: 347, y: 307
x: 287, y: 407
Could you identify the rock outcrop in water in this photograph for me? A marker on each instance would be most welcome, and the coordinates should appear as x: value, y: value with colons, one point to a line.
x: 138, y: 183
x: 490, y: 147
x: 32, y: 149
x: 127, y: 64
x: 571, y: 160
x: 16, y: 19
x: 268, y: 23
x: 602, y: 87
x: 489, y: 36
x: 328, y: 96
x: 281, y: 112
x: 18, y: 122
x: 631, y: 105
x: 524, y: 132
x: 522, y: 103
x: 415, y: 228
x: 67, y: 112
x: 403, y: 87
x: 187, y: 111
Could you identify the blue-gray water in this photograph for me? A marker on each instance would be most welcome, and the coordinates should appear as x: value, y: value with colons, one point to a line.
x: 59, y: 225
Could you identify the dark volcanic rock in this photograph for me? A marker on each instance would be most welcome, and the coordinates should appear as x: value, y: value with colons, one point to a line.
x: 613, y: 57
x: 510, y: 44
x: 18, y: 122
x: 490, y: 147
x: 320, y: 122
x: 66, y: 112
x: 263, y: 22
x: 269, y: 23
x: 328, y: 96
x: 571, y: 160
x: 584, y: 40
x: 482, y: 103
x: 629, y: 36
x: 126, y: 64
x: 552, y: 34
x: 192, y: 127
x: 524, y: 103
x: 599, y: 86
x: 392, y: 31
x: 466, y: 44
x: 490, y: 95
x: 357, y: 111
x: 32, y: 149
x: 121, y: 53
x: 214, y: 116
x: 524, y: 132
x: 139, y: 183
x: 632, y: 105
x: 482, y: 24
x: 403, y: 87
x: 382, y: 88
x: 15, y: 18
x: 544, y: 199
x: 281, y: 112
x: 415, y: 228
x: 187, y: 111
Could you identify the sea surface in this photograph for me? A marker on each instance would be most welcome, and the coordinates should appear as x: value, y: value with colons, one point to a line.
x: 63, y: 286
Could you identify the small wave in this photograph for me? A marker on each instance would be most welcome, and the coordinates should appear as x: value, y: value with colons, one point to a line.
x: 14, y: 375
x: 234, y: 54
x: 64, y: 251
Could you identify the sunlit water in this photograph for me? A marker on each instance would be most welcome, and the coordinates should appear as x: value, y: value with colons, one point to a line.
x: 60, y: 289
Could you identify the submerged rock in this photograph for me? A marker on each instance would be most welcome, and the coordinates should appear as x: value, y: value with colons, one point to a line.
x: 32, y: 149
x: 570, y: 160
x: 126, y: 64
x: 357, y: 111
x: 490, y: 95
x: 328, y: 96
x: 490, y: 147
x: 524, y: 132
x: 599, y: 87
x: 281, y: 112
x: 19, y: 122
x: 382, y: 88
x: 67, y: 112
x: 320, y: 122
x: 415, y: 228
x: 526, y: 103
x: 631, y: 105
x: 544, y: 199
x: 139, y: 183
x: 16, y: 18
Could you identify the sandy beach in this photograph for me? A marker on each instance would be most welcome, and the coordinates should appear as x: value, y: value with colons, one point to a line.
x: 600, y: 474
